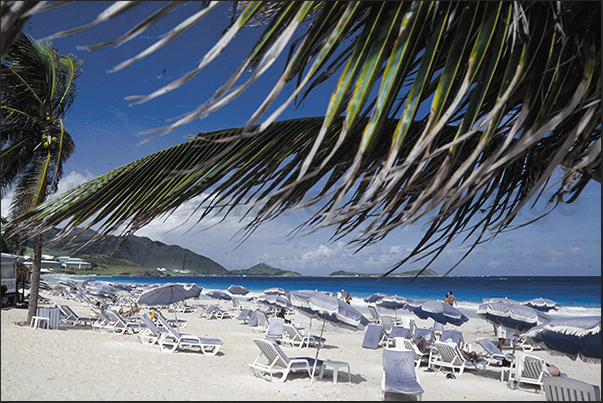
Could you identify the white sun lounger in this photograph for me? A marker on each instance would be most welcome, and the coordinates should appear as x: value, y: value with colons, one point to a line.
x: 273, y: 361
x: 174, y: 340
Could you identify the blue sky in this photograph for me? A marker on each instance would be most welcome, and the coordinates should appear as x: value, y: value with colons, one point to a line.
x: 107, y: 133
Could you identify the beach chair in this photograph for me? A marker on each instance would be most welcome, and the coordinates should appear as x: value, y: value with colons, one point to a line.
x: 71, y: 318
x: 387, y: 322
x: 103, y: 321
x: 399, y: 375
x: 493, y: 354
x: 402, y: 343
x: 424, y: 333
x: 152, y: 333
x: 273, y: 361
x: 560, y: 389
x: 448, y: 355
x: 375, y: 317
x: 397, y: 331
x: 252, y: 319
x: 526, y: 369
x: 293, y: 336
x: 180, y: 307
x: 374, y: 337
x: 244, y: 314
x: 275, y: 330
x: 175, y: 340
x: 262, y: 326
x: 179, y: 323
x: 455, y: 336
x: 218, y: 313
x: 121, y: 326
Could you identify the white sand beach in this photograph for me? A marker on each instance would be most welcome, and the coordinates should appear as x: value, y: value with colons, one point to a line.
x: 81, y: 364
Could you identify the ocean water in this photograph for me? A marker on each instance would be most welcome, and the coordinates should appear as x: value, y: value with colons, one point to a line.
x: 577, y: 295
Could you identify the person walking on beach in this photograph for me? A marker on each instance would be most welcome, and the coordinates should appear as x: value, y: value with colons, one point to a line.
x: 341, y: 295
x: 348, y: 298
x: 451, y: 299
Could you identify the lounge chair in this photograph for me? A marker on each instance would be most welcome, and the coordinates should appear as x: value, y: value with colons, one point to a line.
x: 293, y: 336
x: 456, y: 337
x: 526, y: 369
x: 387, y: 322
x: 244, y: 314
x: 272, y: 361
x: 218, y: 313
x: 73, y: 319
x: 559, y: 389
x: 275, y: 330
x: 152, y: 333
x: 374, y: 337
x: 252, y: 319
x: 180, y: 307
x: 375, y: 317
x: 403, y: 343
x: 494, y: 355
x: 262, y: 326
x: 121, y: 325
x: 399, y: 375
x: 427, y: 334
x: 179, y: 323
x: 449, y: 355
x: 398, y: 331
x: 103, y: 321
x: 174, y: 340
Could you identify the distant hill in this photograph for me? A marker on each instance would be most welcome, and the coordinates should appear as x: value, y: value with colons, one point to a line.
x: 262, y: 269
x: 141, y: 251
x: 410, y: 273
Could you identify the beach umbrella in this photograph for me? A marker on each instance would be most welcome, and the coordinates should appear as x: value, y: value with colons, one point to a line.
x: 572, y: 337
x: 374, y: 297
x: 392, y: 302
x: 101, y: 290
x: 169, y: 293
x: 319, y: 305
x: 439, y: 311
x: 504, y: 300
x: 542, y: 304
x: 122, y: 286
x: 67, y: 282
x: 273, y: 299
x: 217, y: 294
x: 512, y: 316
x: 238, y: 290
x: 275, y: 291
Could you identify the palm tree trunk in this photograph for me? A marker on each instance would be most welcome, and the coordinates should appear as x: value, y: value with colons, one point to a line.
x: 35, y: 278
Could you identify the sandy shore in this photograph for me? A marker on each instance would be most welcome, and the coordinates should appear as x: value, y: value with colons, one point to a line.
x: 81, y: 364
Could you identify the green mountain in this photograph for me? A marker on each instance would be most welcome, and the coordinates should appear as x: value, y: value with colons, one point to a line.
x: 141, y: 251
x: 410, y: 273
x: 262, y: 269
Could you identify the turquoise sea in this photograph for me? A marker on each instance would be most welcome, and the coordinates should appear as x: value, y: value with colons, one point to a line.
x: 577, y: 295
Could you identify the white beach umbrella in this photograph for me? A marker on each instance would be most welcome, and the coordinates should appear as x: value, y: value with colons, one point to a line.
x: 170, y: 293
x: 317, y: 304
x: 439, y: 311
x: 542, y: 304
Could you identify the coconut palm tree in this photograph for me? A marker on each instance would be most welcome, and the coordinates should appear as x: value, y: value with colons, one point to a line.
x: 38, y: 90
x: 455, y: 112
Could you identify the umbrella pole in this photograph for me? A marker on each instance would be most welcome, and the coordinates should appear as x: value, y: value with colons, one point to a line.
x: 317, y: 351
